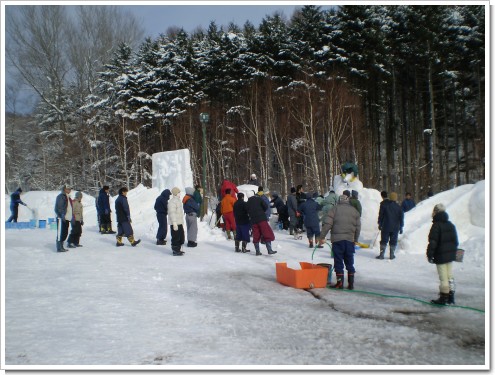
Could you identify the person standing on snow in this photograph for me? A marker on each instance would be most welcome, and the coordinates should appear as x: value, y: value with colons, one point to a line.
x: 198, y: 197
x: 227, y: 210
x: 345, y: 225
x: 253, y: 180
x: 176, y: 219
x: 191, y: 209
x: 355, y: 202
x: 76, y: 222
x: 104, y: 211
x: 161, y: 215
x: 242, y: 224
x: 390, y: 223
x: 328, y: 202
x: 408, y: 203
x: 124, y: 227
x: 441, y: 250
x: 292, y: 208
x: 256, y: 208
x: 310, y: 209
x: 15, y: 200
x: 63, y: 210
x: 278, y: 204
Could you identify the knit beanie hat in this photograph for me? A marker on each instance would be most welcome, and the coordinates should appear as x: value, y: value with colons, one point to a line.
x: 78, y: 195
x: 189, y: 190
x: 292, y: 190
x: 438, y: 208
x: 354, y: 194
x: 175, y: 191
x: 347, y: 193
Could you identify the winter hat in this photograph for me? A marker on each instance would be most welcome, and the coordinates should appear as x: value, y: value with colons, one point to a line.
x: 189, y: 190
x: 347, y: 193
x: 292, y: 190
x: 354, y: 194
x: 240, y: 196
x: 78, y: 195
x: 393, y: 196
x: 67, y: 186
x: 175, y: 191
x: 19, y: 190
x: 343, y: 198
x: 253, y: 176
x: 438, y: 208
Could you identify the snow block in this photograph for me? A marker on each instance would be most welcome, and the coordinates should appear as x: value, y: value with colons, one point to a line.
x: 308, y: 277
x: 170, y: 169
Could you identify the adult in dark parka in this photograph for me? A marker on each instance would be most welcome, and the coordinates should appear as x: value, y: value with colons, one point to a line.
x: 442, y: 247
x: 104, y: 211
x: 161, y: 215
x: 390, y: 223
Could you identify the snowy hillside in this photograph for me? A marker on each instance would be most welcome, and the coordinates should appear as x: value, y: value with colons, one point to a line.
x: 137, y: 307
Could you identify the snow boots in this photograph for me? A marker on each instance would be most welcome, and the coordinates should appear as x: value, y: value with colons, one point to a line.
x: 176, y: 251
x: 257, y: 247
x: 161, y: 242
x: 244, y: 250
x: 71, y: 245
x: 237, y: 250
x: 229, y: 236
x: 340, y: 282
x: 310, y: 243
x: 133, y: 241
x: 350, y: 281
x: 269, y: 248
x: 382, y: 252
x: 443, y: 299
x: 60, y: 247
x: 392, y: 252
x: 191, y: 244
x: 451, y: 298
x: 119, y: 241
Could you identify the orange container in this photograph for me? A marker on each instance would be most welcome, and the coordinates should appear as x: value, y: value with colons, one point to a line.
x: 308, y: 277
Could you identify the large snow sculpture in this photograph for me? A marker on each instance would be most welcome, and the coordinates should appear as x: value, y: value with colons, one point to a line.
x: 172, y: 168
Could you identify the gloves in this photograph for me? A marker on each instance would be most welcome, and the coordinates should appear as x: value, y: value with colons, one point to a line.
x: 430, y: 260
x: 175, y: 227
x: 400, y: 232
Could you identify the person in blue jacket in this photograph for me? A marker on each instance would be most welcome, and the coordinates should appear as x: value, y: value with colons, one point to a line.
x: 390, y: 223
x: 309, y: 209
x: 124, y: 227
x: 408, y: 203
x: 161, y: 205
x: 15, y: 201
x: 104, y: 211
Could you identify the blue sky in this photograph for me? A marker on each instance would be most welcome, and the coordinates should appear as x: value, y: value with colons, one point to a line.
x: 158, y: 18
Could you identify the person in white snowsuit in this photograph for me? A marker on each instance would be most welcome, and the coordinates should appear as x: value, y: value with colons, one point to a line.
x: 176, y: 220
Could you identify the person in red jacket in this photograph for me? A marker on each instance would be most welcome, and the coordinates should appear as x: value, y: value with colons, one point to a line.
x: 227, y: 209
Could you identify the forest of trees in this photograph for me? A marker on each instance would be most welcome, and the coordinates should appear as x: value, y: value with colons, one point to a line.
x: 399, y: 90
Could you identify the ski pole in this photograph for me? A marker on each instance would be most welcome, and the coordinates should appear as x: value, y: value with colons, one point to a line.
x: 377, y: 233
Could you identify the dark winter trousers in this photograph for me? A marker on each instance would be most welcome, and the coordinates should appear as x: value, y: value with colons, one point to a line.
x: 242, y: 233
x: 162, y: 226
x: 343, y: 253
x: 62, y: 229
x: 313, y: 231
x: 75, y: 233
x: 178, y: 237
x: 386, y: 236
x: 105, y: 221
x: 15, y: 213
x: 124, y: 229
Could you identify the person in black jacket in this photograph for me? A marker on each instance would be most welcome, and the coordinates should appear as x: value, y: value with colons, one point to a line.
x: 104, y: 211
x: 442, y: 247
x: 282, y: 211
x: 161, y: 215
x: 256, y: 208
x: 242, y: 224
x: 390, y: 223
x: 15, y: 200
x: 124, y: 227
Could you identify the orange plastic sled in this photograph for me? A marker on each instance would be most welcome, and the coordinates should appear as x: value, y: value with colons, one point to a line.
x: 308, y: 277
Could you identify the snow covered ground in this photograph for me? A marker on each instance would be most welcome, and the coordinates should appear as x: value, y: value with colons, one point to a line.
x: 103, y: 307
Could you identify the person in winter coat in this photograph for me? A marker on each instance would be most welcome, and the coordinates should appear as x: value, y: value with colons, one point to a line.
x: 15, y: 200
x: 309, y: 210
x: 263, y: 196
x: 227, y: 210
x: 355, y: 202
x: 104, y: 211
x: 292, y: 209
x: 242, y: 224
x: 161, y: 204
x: 390, y: 223
x: 408, y: 204
x: 63, y: 210
x: 176, y: 220
x: 278, y: 204
x: 226, y: 184
x: 328, y: 202
x: 345, y: 225
x: 77, y: 222
x: 301, y: 197
x: 123, y: 212
x: 256, y: 208
x: 253, y: 180
x: 198, y: 197
x: 191, y: 209
x: 441, y: 250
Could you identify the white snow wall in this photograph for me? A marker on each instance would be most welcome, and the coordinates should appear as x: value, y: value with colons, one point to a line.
x: 170, y: 169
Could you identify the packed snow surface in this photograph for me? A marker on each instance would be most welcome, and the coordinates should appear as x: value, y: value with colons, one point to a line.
x: 136, y: 307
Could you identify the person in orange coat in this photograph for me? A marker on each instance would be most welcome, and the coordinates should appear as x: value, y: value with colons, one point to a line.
x: 227, y: 209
